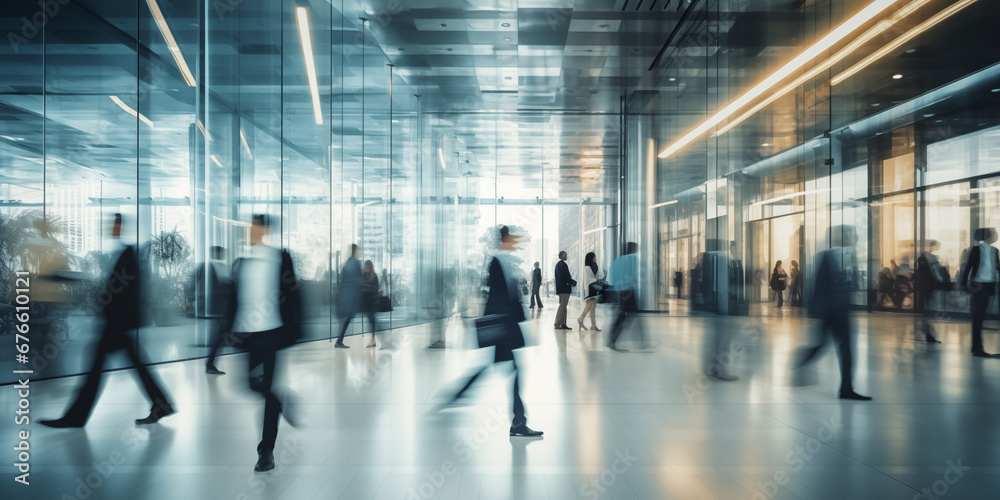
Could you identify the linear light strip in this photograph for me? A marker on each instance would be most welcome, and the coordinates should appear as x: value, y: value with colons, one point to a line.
x: 905, y: 37
x: 839, y: 33
x: 168, y: 37
x: 827, y: 64
x: 444, y: 166
x: 216, y: 160
x: 128, y: 109
x: 302, y: 15
x: 597, y: 230
x: 365, y: 204
x: 658, y: 205
x: 246, y: 146
x: 204, y: 132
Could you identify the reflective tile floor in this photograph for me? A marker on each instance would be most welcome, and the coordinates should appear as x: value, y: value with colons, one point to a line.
x: 636, y: 425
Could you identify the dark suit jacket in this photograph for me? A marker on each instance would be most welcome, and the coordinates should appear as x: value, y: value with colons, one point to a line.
x: 504, y: 299
x: 966, y: 280
x: 564, y: 282
x: 536, y: 280
x: 831, y: 288
x: 120, y: 296
x: 288, y: 300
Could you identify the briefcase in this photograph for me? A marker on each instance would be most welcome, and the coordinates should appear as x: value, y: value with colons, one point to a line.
x: 492, y: 329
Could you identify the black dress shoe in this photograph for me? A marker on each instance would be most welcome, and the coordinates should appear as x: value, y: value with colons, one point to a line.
x: 339, y: 345
x: 265, y: 461
x: 855, y: 396
x: 155, y: 415
x: 212, y: 370
x: 726, y: 377
x: 932, y: 340
x: 523, y: 430
x: 61, y: 423
x: 981, y: 354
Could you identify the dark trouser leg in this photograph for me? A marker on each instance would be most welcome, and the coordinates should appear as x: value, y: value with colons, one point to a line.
x: 781, y: 297
x: 626, y: 306
x: 841, y: 328
x: 87, y: 395
x: 980, y: 303
x: 808, y: 354
x: 343, y: 329
x: 218, y: 337
x: 468, y: 384
x: 371, y: 320
x: 534, y: 293
x: 519, y: 418
x: 261, y: 377
x: 149, y: 384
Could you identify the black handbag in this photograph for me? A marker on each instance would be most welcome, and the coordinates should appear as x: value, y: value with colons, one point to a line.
x: 383, y: 304
x: 492, y: 329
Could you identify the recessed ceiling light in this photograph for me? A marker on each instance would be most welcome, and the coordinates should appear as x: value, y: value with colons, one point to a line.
x: 910, y: 51
x: 506, y: 39
x: 897, y: 76
x: 928, y: 115
x: 875, y: 104
x: 995, y: 91
x: 672, y: 79
x: 602, y: 26
x: 443, y: 25
x: 505, y: 25
x: 938, y: 121
x: 766, y: 144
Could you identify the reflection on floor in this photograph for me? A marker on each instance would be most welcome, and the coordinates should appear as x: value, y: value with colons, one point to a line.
x: 617, y: 425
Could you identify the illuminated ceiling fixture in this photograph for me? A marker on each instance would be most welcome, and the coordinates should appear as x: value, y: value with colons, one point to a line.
x: 128, y: 109
x: 839, y: 33
x: 902, y: 39
x: 302, y: 15
x: 897, y: 76
x: 850, y: 49
x: 444, y: 166
x: 216, y: 160
x: 367, y: 203
x: 171, y: 43
x: 246, y: 146
x: 204, y: 132
x: 658, y: 205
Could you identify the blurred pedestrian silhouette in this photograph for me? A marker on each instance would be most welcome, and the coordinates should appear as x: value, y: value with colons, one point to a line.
x: 779, y: 281
x: 713, y: 272
x: 590, y: 292
x: 979, y: 277
x: 370, y: 295
x: 119, y: 303
x: 564, y: 287
x: 829, y: 303
x: 930, y: 276
x: 536, y: 285
x: 215, y: 283
x: 504, y: 303
x: 624, y: 279
x: 795, y: 285
x: 266, y: 315
x: 350, y: 293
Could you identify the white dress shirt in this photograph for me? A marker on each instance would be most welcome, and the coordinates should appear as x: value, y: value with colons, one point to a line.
x: 987, y: 272
x: 258, y: 309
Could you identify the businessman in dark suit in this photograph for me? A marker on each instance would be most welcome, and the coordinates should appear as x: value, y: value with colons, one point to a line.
x: 979, y: 277
x: 505, y: 300
x: 118, y: 301
x: 830, y: 303
x: 536, y: 285
x: 265, y: 316
x: 564, y: 287
x: 215, y: 283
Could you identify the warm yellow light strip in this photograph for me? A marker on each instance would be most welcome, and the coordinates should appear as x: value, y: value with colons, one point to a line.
x: 839, y: 33
x: 246, y: 146
x: 168, y: 37
x: 128, y: 109
x: 204, y: 132
x: 302, y: 16
x: 658, y: 205
x: 216, y: 160
x: 905, y: 37
x: 827, y: 64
